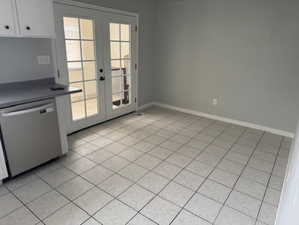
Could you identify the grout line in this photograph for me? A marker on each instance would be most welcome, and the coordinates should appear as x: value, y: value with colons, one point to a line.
x: 267, y: 185
x: 150, y: 133
x: 206, y: 178
x: 113, y: 198
x: 171, y: 180
x: 24, y: 205
x: 244, y: 167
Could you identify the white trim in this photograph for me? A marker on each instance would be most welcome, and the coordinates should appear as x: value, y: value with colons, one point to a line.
x: 145, y: 106
x: 227, y: 120
x: 96, y: 7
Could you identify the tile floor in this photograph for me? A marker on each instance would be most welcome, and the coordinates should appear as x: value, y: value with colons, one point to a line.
x: 163, y: 167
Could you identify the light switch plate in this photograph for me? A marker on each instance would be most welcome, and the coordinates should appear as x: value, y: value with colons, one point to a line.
x: 43, y: 60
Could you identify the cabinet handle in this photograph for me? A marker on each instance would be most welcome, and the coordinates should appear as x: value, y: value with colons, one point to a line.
x: 28, y: 28
x: 6, y: 27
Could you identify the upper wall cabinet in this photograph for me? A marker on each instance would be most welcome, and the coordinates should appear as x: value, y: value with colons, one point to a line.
x: 27, y: 18
x: 8, y: 18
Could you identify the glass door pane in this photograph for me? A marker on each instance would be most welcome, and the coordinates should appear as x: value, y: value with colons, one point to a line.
x: 81, y: 64
x: 120, y: 59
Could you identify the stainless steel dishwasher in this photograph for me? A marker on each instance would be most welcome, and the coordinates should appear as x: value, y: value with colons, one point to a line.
x: 30, y: 134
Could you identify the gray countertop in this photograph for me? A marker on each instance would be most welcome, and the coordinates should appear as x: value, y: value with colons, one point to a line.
x: 17, y: 93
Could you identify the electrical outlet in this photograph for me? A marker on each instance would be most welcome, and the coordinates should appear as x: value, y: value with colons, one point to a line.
x: 215, y: 101
x: 43, y: 60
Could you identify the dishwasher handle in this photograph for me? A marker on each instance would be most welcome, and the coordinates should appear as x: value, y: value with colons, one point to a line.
x: 42, y: 109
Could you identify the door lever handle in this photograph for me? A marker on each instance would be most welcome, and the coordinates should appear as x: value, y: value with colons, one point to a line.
x: 102, y: 78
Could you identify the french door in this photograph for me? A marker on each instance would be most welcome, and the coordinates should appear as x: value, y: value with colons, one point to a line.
x: 96, y: 52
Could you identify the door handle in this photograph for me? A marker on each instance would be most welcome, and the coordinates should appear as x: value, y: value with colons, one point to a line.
x: 102, y: 78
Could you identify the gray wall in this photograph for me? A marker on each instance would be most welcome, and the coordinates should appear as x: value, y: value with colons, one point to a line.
x: 244, y: 52
x: 18, y: 59
x: 146, y: 11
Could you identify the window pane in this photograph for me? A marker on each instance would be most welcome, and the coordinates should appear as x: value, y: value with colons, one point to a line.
x: 125, y: 32
x: 126, y: 67
x: 77, y: 96
x: 117, y: 100
x: 117, y: 84
x: 71, y: 28
x: 89, y: 70
x: 91, y: 89
x: 114, y: 31
x: 78, y: 110
x: 125, y: 50
x: 75, y: 71
x: 117, y: 97
x: 115, y: 51
x: 115, y: 67
x: 91, y: 107
x: 88, y: 50
x: 127, y: 82
x: 73, y: 50
x: 86, y: 28
x: 126, y: 99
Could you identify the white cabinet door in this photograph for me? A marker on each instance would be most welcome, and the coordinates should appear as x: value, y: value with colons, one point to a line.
x: 7, y: 18
x: 36, y: 18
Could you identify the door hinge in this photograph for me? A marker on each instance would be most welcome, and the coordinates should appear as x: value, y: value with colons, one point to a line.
x: 136, y: 28
x: 58, y: 74
x: 135, y: 100
x: 135, y: 66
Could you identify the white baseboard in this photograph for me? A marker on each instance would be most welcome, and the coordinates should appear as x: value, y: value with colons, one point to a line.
x: 145, y: 106
x: 224, y: 119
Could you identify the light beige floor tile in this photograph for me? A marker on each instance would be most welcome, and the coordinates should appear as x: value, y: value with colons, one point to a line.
x: 99, y: 156
x: 244, y: 203
x: 131, y: 154
x: 8, y: 203
x: 97, y: 174
x: 74, y: 188
x: 186, y: 218
x: 176, y: 193
x: 153, y: 182
x: 32, y: 190
x: 136, y: 197
x: 230, y: 216
x: 204, y: 207
x: 141, y: 220
x: 167, y: 170
x: 268, y: 213
x: 231, y: 167
x: 58, y: 177
x: 115, y: 213
x: 93, y: 200
x: 251, y: 188
x: 147, y: 161
x: 68, y: 215
x: 215, y: 191
x: 189, y: 180
x: 272, y: 196
x: 116, y: 163
x: 47, y: 204
x: 224, y: 178
x: 161, y: 211
x: 200, y: 168
x: 133, y: 172
x: 179, y: 160
x: 91, y: 221
x: 115, y: 185
x: 160, y: 153
x: 21, y: 216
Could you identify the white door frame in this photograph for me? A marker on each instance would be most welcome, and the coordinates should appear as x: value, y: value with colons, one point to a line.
x: 63, y: 112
